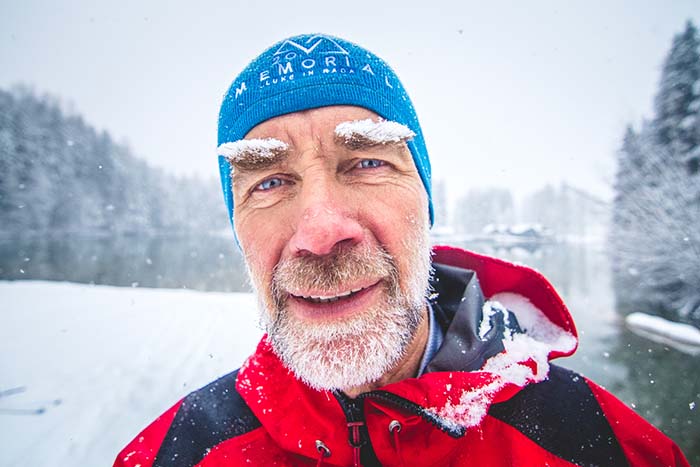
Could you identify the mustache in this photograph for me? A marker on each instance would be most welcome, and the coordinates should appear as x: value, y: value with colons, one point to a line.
x: 345, y: 264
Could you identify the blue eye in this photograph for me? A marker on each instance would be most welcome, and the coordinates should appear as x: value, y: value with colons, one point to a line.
x: 370, y: 163
x: 269, y: 184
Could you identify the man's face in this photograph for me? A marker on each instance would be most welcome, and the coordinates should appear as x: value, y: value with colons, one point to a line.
x: 335, y: 234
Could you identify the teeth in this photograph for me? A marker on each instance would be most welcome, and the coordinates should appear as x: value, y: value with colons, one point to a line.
x: 322, y: 300
x: 329, y: 299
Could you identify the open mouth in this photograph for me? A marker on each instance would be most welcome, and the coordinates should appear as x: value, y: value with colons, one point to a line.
x: 330, y: 298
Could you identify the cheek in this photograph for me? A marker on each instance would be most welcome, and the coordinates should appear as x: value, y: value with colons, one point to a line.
x: 402, y: 208
x: 400, y: 223
x: 259, y: 241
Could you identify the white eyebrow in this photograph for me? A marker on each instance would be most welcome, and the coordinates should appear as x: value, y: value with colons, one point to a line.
x: 380, y: 132
x: 238, y: 151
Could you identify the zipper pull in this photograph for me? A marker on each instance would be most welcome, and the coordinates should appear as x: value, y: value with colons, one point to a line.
x: 356, y: 441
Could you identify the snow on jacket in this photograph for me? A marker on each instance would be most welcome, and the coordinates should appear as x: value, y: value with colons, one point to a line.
x: 489, y: 397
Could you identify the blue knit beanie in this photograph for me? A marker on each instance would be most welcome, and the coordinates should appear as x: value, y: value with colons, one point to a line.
x: 310, y: 71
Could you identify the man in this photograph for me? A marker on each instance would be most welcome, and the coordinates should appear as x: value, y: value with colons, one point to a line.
x: 379, y: 350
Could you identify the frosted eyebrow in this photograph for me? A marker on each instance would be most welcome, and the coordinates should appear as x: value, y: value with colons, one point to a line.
x: 253, y: 154
x: 360, y: 134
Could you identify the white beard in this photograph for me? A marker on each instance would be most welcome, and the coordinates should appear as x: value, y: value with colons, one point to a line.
x: 359, y: 349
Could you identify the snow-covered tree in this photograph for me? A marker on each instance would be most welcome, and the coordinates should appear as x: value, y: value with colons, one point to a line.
x: 678, y: 99
x: 481, y: 207
x: 57, y: 174
x: 656, y: 214
x: 566, y: 211
x: 440, y: 203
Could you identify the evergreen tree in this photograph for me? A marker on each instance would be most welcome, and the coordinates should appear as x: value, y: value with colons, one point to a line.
x: 479, y: 208
x: 440, y: 203
x: 57, y: 174
x: 678, y: 99
x: 656, y: 214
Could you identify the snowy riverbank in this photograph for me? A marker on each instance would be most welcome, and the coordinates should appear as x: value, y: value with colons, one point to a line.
x: 83, y: 368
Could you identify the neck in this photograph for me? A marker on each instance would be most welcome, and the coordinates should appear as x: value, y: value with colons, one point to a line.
x: 408, y: 366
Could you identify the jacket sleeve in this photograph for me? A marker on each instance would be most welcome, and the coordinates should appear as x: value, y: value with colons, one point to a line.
x: 142, y: 450
x: 642, y: 443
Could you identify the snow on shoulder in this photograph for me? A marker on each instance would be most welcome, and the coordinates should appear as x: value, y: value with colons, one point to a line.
x: 682, y: 337
x: 525, y: 359
x: 379, y: 132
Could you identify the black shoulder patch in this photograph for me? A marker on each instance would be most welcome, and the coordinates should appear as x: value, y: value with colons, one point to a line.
x: 207, y: 417
x: 562, y: 415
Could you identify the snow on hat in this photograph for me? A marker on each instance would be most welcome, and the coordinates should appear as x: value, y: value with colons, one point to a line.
x: 310, y: 71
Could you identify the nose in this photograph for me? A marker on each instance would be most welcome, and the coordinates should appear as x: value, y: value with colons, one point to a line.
x: 325, y: 221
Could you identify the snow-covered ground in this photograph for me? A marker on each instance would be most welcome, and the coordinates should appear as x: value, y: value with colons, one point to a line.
x: 83, y: 368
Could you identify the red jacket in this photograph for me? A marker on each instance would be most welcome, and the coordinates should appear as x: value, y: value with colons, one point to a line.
x: 489, y: 397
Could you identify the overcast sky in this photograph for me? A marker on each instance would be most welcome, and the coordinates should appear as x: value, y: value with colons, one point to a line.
x: 515, y: 94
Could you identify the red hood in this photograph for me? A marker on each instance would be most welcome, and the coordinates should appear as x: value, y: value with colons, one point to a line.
x: 497, y: 276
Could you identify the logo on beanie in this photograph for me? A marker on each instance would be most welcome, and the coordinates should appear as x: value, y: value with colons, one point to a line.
x: 327, y: 46
x: 301, y: 58
x: 316, y: 55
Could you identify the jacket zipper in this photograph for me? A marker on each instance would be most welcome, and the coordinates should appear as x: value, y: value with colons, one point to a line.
x: 363, y: 452
x: 358, y: 438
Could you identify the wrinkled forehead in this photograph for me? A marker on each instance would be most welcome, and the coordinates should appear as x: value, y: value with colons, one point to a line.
x: 321, y: 119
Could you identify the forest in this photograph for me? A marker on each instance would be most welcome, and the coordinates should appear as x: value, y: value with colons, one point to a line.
x: 60, y: 175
